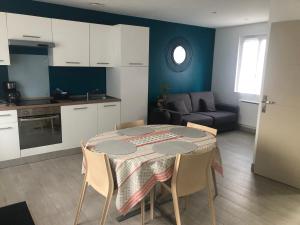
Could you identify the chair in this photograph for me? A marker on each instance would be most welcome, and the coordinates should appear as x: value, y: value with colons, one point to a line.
x: 136, y: 123
x: 98, y: 174
x: 191, y: 174
x: 204, y: 128
x: 213, y: 132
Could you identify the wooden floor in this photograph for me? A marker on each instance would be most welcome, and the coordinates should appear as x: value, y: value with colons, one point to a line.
x: 51, y: 189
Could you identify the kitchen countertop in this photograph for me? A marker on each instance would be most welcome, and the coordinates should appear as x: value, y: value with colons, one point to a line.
x: 4, y: 107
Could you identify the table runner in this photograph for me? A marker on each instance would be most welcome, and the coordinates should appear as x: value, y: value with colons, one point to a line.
x: 137, y: 173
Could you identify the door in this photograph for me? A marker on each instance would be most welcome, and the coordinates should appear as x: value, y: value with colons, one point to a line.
x: 100, y: 45
x: 4, y: 52
x: 135, y: 45
x: 108, y: 116
x: 32, y: 28
x: 134, y: 93
x: 72, y: 44
x: 9, y: 141
x: 278, y: 143
x: 79, y: 123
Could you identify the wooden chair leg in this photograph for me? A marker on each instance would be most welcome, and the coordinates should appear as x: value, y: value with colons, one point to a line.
x: 143, y: 212
x: 176, y: 208
x: 82, y: 195
x: 211, y: 204
x: 105, y: 209
x: 152, y: 200
x: 215, y: 182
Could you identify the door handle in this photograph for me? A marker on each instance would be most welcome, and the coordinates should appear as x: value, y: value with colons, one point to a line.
x: 266, y: 102
x: 30, y: 36
x: 6, y: 128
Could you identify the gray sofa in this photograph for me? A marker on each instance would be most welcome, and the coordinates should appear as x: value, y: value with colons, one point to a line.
x: 197, y: 107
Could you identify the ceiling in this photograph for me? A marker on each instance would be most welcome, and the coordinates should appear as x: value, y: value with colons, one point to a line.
x: 207, y: 13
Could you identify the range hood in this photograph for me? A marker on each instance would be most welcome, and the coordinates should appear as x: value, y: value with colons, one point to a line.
x: 31, y: 43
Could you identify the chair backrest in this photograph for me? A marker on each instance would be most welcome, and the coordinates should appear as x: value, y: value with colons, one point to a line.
x: 98, y: 172
x: 136, y: 123
x: 191, y: 172
x: 204, y: 128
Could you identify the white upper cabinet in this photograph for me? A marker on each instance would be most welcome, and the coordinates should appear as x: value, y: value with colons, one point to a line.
x: 101, y: 45
x: 32, y: 28
x: 131, y: 45
x: 72, y: 43
x: 4, y: 52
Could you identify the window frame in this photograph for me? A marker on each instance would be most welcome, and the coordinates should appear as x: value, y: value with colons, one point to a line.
x: 242, y: 40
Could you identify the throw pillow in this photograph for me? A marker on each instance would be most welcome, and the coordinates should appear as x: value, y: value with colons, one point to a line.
x: 178, y: 106
x: 210, y: 104
x: 202, y: 106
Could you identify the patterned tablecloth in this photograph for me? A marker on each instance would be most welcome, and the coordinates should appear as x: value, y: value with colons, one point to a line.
x: 137, y: 173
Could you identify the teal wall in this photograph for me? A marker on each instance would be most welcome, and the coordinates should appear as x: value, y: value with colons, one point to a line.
x: 196, y: 78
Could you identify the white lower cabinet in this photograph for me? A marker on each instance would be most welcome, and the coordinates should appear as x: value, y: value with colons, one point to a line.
x: 108, y: 116
x: 9, y: 141
x: 79, y: 123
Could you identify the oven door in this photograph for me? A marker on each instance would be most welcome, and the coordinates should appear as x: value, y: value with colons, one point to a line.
x: 37, y: 131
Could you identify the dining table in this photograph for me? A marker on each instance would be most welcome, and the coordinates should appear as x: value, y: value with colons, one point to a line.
x: 144, y: 156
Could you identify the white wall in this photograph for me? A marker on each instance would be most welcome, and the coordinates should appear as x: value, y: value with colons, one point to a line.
x: 284, y: 10
x: 224, y: 70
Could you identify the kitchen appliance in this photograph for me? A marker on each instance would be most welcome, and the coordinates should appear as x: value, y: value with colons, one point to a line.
x: 12, y: 96
x: 39, y: 126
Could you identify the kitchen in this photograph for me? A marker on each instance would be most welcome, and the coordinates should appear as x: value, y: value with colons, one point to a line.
x: 36, y: 115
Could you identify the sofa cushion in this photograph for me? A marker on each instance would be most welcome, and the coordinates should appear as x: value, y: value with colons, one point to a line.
x: 208, y: 97
x: 176, y: 97
x: 178, y: 106
x: 221, y: 117
x: 198, y: 118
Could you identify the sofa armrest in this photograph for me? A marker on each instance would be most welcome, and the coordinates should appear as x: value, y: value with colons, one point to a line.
x: 228, y: 108
x: 176, y: 117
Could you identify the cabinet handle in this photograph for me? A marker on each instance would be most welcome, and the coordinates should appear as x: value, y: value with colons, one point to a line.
x: 6, y: 128
x: 5, y: 115
x: 1, y: 60
x: 80, y: 108
x: 103, y: 63
x: 109, y: 105
x: 30, y: 36
x: 73, y: 62
x: 136, y: 64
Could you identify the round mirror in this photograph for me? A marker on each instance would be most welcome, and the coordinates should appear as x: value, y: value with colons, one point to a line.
x: 179, y: 55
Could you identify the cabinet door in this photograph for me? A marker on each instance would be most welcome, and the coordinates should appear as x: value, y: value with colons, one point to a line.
x: 108, y: 116
x: 134, y: 102
x: 9, y: 141
x: 72, y: 43
x: 79, y: 123
x: 100, y: 45
x: 4, y: 52
x: 135, y: 46
x: 33, y: 28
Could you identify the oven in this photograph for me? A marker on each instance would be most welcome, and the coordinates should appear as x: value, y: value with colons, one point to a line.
x: 39, y: 126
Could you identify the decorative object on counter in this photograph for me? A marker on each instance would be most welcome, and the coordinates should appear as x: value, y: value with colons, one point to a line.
x: 59, y: 94
x: 12, y: 95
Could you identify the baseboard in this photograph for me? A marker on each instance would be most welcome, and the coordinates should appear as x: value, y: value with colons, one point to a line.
x: 247, y: 129
x: 38, y: 158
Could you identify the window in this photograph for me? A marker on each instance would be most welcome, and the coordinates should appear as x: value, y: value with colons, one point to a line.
x: 250, y: 64
x: 179, y: 54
